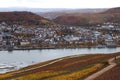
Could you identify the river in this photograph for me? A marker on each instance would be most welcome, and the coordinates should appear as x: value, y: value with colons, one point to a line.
x: 21, y: 58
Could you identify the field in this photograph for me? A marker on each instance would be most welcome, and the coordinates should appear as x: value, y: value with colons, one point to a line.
x: 67, y: 68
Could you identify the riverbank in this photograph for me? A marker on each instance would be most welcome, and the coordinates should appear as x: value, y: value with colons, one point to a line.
x: 62, y: 68
x: 39, y: 48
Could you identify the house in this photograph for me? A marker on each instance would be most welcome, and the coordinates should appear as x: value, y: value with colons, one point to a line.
x: 1, y: 37
x: 24, y: 43
x: 110, y: 43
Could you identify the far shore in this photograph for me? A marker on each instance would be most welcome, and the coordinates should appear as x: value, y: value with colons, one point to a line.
x: 31, y: 48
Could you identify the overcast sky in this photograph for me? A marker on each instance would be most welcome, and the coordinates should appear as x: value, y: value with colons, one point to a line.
x: 60, y: 3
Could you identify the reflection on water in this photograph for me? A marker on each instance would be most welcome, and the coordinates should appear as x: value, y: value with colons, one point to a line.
x: 22, y: 58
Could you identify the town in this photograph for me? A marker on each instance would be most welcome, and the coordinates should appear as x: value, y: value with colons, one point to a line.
x: 58, y: 36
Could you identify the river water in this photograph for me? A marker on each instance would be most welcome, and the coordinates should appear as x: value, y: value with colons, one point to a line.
x: 22, y: 58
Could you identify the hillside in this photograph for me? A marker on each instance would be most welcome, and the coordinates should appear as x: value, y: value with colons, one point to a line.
x: 60, y: 12
x: 110, y: 15
x: 113, y: 10
x: 81, y: 19
x: 24, y: 18
x: 113, y: 15
x: 68, y: 68
x: 71, y: 20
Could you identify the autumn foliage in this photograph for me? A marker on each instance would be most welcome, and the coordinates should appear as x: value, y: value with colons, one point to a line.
x: 78, y: 75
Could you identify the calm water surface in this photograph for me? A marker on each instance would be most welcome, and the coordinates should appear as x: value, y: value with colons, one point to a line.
x: 22, y: 58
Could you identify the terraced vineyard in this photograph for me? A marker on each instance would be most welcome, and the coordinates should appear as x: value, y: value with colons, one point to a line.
x: 69, y: 68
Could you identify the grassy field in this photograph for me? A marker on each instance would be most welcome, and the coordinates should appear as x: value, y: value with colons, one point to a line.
x: 68, y: 68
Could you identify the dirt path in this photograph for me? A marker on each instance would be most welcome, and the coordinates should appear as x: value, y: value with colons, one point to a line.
x: 97, y: 74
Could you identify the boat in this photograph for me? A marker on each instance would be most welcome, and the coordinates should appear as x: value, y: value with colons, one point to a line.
x: 101, y: 46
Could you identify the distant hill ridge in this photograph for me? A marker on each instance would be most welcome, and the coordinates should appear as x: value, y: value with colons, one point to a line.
x: 22, y: 17
x: 113, y: 10
x: 111, y: 15
x: 69, y: 18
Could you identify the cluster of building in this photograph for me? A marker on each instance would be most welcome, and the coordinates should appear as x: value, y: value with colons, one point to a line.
x: 58, y: 36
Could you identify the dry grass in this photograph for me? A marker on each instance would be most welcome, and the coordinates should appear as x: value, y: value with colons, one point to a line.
x: 79, y: 74
x: 4, y: 76
x: 40, y: 75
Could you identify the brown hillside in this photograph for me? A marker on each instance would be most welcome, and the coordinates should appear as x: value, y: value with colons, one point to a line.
x: 113, y: 10
x: 70, y: 20
x: 111, y: 15
x: 25, y: 18
x: 82, y: 19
